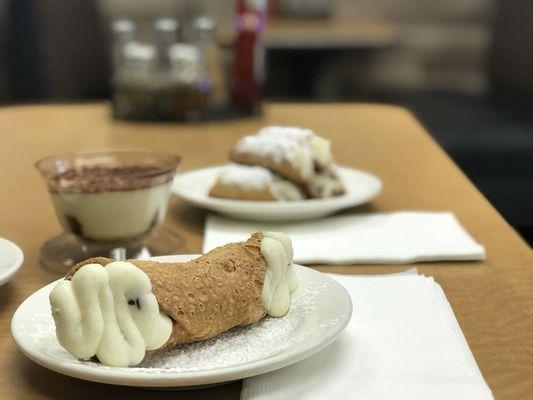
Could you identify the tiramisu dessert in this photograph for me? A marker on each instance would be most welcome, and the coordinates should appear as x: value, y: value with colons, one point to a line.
x: 280, y: 163
x: 117, y: 310
x: 103, y: 197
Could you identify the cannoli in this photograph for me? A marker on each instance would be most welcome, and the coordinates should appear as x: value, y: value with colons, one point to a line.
x: 117, y: 310
x: 245, y: 182
x: 290, y: 152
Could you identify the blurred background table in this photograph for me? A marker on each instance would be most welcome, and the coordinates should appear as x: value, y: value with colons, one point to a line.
x: 493, y: 300
x: 464, y: 68
x: 307, y: 58
x: 328, y: 34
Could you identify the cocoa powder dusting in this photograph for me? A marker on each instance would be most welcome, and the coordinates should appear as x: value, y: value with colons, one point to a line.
x: 97, y: 179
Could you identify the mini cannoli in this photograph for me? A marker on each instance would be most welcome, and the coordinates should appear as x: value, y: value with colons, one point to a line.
x: 245, y: 182
x: 290, y: 152
x: 117, y: 310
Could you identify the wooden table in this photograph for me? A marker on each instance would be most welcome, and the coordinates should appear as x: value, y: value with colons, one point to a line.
x: 493, y: 300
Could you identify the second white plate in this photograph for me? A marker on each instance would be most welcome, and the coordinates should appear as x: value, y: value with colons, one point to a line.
x: 11, y: 259
x: 194, y: 187
x: 320, y: 310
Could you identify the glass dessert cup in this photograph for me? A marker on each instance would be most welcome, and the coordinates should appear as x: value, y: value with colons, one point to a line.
x: 109, y: 204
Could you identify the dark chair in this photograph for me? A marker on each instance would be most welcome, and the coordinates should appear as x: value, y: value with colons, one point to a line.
x: 56, y: 50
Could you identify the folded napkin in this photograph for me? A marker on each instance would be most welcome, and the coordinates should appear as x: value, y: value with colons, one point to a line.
x: 403, y: 342
x: 378, y: 238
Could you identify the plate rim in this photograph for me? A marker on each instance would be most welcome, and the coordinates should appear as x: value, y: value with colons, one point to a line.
x: 334, y: 203
x: 181, y: 379
x: 13, y: 268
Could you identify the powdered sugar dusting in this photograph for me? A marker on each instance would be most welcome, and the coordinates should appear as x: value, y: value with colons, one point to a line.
x: 290, y: 132
x: 268, y: 338
x: 279, y: 143
x: 279, y: 149
x: 246, y: 176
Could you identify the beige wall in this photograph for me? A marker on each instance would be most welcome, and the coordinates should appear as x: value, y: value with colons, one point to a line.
x: 4, y: 90
x: 416, y: 10
x: 443, y: 44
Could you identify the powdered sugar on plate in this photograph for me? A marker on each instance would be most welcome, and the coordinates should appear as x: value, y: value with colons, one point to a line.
x: 239, y: 346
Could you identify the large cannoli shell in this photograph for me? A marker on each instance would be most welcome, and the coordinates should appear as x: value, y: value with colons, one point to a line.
x: 209, y: 295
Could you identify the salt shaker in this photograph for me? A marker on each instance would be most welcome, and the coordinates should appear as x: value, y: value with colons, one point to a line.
x: 166, y: 34
x: 135, y: 84
x: 205, y: 32
x: 190, y: 85
x: 124, y: 32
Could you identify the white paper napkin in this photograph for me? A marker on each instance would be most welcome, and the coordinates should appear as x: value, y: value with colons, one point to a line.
x: 378, y: 238
x: 403, y: 342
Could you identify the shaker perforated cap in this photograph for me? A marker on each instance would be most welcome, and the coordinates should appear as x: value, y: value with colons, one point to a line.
x: 205, y: 24
x: 123, y: 26
x: 167, y: 25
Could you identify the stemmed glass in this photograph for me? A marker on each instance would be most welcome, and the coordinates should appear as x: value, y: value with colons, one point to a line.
x: 108, y: 204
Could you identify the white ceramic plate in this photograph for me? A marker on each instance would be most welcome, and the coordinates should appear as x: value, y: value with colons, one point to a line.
x: 320, y: 310
x: 194, y: 187
x: 11, y: 259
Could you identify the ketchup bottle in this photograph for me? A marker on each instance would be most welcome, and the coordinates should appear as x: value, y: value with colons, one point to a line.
x: 248, y: 56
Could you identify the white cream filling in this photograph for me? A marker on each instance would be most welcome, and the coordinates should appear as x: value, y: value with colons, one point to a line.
x: 321, y: 149
x: 280, y: 277
x: 325, y: 185
x: 303, y: 162
x: 109, y: 312
x: 285, y: 190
